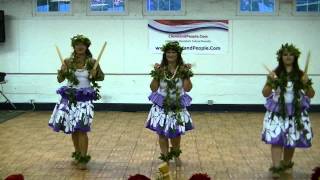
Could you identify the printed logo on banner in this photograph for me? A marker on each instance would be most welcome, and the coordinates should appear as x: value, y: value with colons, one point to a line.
x: 195, y: 36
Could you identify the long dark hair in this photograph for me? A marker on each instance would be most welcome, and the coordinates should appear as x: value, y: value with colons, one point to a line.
x: 164, y: 61
x: 88, y: 53
x: 83, y: 40
x: 280, y: 69
x: 295, y: 76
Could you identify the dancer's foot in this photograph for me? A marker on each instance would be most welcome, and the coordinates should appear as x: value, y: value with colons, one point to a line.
x: 178, y: 161
x: 276, y: 171
x: 287, y: 167
x: 82, y: 166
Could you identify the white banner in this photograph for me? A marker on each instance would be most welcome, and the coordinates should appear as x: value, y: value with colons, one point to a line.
x: 195, y: 36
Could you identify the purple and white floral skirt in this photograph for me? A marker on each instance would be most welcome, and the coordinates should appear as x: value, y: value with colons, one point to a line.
x: 166, y: 124
x: 70, y: 118
x: 283, y: 131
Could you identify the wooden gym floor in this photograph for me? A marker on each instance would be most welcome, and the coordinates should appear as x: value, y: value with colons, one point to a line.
x: 224, y: 145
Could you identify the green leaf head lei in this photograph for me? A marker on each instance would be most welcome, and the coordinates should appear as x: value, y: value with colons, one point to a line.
x: 289, y: 48
x: 80, y: 39
x: 172, y: 45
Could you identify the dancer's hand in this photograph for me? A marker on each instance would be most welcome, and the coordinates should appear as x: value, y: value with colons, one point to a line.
x: 156, y: 66
x: 93, y: 73
x: 273, y: 76
x: 305, y: 78
x: 63, y: 68
x: 188, y: 66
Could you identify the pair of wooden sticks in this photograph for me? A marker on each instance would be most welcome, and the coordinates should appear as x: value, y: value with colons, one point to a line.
x: 95, y: 64
x: 305, y: 68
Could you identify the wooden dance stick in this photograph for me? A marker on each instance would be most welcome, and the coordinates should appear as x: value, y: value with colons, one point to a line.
x: 99, y: 57
x: 269, y: 71
x: 307, y: 63
x: 60, y: 56
x: 265, y: 67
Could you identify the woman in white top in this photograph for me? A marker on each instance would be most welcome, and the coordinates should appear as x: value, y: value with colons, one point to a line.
x: 168, y: 116
x: 74, y: 113
x: 286, y: 123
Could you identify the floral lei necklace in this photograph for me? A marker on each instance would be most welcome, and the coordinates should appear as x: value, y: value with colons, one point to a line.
x: 281, y: 83
x: 173, y: 76
x: 72, y: 79
x: 172, y: 104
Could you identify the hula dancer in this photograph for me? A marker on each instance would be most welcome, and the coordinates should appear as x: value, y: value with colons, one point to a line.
x: 168, y: 116
x: 74, y: 113
x: 286, y: 123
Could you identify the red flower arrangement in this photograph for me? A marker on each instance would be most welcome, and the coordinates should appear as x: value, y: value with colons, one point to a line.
x: 200, y: 176
x: 316, y: 173
x: 15, y: 177
x: 138, y: 177
x: 197, y: 176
